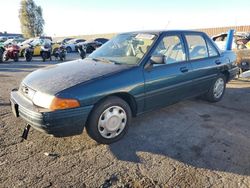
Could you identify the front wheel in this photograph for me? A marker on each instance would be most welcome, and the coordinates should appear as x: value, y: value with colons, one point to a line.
x: 217, y: 89
x: 109, y: 120
x: 1, y: 56
x: 44, y: 56
x: 5, y: 56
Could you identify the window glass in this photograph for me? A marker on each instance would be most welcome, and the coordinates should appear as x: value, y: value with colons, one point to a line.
x: 211, y: 50
x: 197, y: 47
x: 171, y: 47
x: 127, y: 48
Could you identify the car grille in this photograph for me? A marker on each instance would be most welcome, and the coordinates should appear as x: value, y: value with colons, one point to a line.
x: 27, y: 92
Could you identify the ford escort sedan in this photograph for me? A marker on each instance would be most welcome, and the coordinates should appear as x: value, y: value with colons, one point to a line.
x: 133, y: 73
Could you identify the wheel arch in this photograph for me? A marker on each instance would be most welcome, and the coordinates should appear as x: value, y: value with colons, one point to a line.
x: 124, y: 96
x: 226, y: 74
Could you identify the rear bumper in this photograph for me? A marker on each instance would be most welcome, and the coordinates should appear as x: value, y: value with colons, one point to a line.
x: 233, y: 73
x: 57, y: 123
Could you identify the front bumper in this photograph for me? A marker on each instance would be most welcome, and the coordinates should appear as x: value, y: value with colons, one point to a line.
x: 58, y: 123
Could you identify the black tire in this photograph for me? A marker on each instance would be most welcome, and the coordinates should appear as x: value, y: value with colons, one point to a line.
x: 82, y: 54
x: 210, y: 95
x: 44, y: 56
x: 28, y: 57
x: 92, y: 123
x: 54, y: 51
x: 5, y: 57
x: 68, y: 49
x: 62, y: 57
x: 1, y: 56
x: 16, y: 58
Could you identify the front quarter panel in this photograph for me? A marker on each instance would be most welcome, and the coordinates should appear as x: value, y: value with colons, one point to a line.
x: 128, y: 81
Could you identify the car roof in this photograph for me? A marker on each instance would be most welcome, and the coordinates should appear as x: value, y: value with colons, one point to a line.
x: 158, y: 32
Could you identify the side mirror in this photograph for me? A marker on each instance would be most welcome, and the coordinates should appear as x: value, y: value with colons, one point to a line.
x: 157, y: 59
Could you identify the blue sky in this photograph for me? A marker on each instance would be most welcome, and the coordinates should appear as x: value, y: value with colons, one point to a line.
x: 76, y: 17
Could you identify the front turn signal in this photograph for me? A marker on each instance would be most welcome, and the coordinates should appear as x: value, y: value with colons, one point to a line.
x: 60, y: 104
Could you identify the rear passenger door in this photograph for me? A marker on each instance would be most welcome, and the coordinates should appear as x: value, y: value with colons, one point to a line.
x: 204, y: 59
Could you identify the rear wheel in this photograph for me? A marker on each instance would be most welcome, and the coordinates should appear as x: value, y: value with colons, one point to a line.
x: 16, y: 57
x: 109, y: 120
x: 217, y: 89
x: 28, y: 57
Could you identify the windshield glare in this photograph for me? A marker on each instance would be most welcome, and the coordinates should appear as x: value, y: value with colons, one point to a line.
x: 125, y: 48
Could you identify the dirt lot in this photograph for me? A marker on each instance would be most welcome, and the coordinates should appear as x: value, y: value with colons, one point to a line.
x: 189, y: 144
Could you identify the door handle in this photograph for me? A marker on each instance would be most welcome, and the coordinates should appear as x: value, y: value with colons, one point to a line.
x: 217, y: 62
x: 184, y: 69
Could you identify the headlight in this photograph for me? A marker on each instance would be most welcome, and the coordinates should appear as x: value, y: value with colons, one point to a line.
x: 54, y: 103
x: 42, y: 99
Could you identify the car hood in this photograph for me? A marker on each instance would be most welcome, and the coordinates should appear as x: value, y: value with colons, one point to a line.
x: 56, y: 78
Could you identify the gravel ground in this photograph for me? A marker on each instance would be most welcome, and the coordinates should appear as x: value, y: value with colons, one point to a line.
x: 190, y: 144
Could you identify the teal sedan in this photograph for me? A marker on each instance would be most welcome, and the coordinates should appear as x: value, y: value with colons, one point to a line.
x: 131, y: 74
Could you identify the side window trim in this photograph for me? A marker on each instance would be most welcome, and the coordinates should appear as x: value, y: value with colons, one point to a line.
x: 212, y: 45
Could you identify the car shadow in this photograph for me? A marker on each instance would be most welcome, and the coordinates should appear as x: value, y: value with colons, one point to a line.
x: 193, y: 132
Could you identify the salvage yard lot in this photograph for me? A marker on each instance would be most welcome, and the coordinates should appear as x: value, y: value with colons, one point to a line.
x: 190, y: 144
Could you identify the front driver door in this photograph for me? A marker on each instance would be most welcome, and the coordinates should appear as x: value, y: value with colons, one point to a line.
x: 169, y: 82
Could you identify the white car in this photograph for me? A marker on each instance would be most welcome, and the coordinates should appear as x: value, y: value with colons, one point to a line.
x: 241, y: 40
x: 71, y: 44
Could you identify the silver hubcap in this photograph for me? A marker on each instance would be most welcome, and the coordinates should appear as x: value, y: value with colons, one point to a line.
x: 112, y: 122
x: 218, y: 88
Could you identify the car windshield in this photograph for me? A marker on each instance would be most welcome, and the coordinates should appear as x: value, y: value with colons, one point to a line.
x: 125, y: 48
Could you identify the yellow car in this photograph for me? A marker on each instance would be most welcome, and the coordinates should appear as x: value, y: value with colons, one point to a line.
x: 37, y: 43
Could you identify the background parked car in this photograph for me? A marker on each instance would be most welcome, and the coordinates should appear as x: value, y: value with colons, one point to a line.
x: 241, y: 46
x: 101, y: 40
x: 89, y: 46
x: 64, y: 41
x: 71, y: 44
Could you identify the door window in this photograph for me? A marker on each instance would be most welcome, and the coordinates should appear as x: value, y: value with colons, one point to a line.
x: 211, y: 50
x: 171, y: 47
x: 197, y: 47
